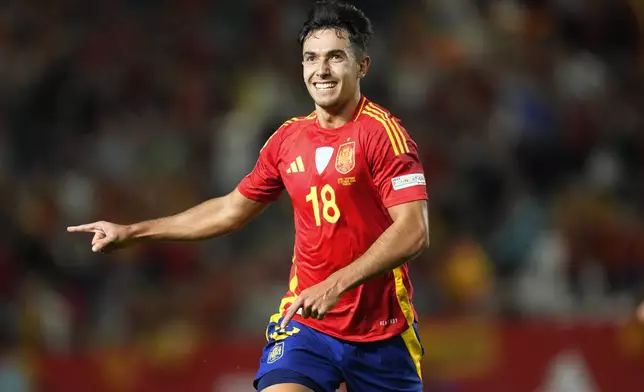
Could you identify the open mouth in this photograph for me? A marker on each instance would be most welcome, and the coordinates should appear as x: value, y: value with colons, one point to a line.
x: 325, y: 86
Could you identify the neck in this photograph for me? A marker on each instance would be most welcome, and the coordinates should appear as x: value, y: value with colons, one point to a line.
x: 330, y: 118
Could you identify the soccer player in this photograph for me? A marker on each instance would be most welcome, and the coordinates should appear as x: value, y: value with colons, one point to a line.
x: 359, y: 196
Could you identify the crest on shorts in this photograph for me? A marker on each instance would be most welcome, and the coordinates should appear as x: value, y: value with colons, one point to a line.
x: 276, y: 352
x: 345, y: 161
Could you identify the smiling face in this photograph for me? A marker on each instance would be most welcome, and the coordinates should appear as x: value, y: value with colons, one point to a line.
x: 332, y: 69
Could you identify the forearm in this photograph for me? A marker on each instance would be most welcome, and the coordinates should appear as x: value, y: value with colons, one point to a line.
x: 212, y: 218
x: 397, y: 245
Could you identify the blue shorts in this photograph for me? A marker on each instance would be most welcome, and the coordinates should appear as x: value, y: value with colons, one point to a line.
x: 304, y: 356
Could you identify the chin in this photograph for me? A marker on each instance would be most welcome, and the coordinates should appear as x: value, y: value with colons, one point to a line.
x: 326, y: 103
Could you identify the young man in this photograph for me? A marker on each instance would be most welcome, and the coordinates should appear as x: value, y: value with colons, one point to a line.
x: 359, y: 196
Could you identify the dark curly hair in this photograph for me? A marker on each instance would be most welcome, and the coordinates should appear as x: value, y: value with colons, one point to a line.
x: 341, y: 17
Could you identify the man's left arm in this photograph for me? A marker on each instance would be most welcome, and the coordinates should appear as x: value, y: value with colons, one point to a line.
x: 404, y: 240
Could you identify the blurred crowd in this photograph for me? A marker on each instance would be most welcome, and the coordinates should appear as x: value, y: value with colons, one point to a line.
x: 528, y: 115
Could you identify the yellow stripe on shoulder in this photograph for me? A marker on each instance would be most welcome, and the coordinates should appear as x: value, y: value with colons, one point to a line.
x: 401, y: 139
x: 270, y: 137
x: 385, y: 124
x: 396, y: 128
x: 287, y: 123
x: 361, y: 104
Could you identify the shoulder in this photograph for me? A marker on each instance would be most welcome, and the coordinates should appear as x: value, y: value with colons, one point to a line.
x: 289, y: 127
x: 374, y: 116
x: 382, y: 127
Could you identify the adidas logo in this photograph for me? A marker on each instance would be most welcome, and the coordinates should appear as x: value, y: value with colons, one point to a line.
x: 297, y: 166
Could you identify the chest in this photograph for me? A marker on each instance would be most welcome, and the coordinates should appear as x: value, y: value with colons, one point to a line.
x: 334, y: 161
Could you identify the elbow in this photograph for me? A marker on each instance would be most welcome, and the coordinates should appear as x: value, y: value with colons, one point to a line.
x: 420, y: 242
x: 424, y: 242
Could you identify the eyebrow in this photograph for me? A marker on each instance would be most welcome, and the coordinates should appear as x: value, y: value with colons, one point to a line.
x: 330, y: 52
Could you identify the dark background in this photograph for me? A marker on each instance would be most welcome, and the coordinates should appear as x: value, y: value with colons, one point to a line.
x: 528, y: 116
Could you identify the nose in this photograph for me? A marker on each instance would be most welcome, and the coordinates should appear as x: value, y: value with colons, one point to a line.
x: 323, y: 69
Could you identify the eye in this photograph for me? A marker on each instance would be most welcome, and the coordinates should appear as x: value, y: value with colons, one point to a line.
x: 335, y: 57
x: 309, y: 59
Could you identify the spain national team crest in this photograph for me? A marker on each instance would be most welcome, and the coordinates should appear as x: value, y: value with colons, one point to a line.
x: 345, y: 161
x: 276, y: 352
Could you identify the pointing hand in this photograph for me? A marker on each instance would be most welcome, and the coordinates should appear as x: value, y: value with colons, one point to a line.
x: 107, y: 236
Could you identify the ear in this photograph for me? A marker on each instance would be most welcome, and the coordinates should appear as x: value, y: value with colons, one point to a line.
x: 363, y: 66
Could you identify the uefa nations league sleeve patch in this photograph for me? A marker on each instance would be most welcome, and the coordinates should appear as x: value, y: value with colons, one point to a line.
x: 408, y: 180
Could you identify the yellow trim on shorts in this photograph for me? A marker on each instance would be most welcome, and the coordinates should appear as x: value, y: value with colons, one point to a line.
x: 409, y: 336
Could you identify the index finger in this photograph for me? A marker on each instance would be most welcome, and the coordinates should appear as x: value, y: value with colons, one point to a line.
x: 86, y: 228
x: 291, y: 312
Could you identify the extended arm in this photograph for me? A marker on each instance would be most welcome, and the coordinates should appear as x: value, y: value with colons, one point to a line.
x: 212, y: 218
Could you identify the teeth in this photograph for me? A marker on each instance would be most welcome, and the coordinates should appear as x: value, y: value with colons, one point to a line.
x: 325, y: 86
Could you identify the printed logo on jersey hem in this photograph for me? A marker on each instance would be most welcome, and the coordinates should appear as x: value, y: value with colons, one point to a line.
x: 407, y: 181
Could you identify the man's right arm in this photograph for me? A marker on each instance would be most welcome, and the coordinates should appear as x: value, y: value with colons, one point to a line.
x: 212, y: 218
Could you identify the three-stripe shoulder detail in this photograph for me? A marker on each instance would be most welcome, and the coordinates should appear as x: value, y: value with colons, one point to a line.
x: 396, y: 135
x: 289, y: 122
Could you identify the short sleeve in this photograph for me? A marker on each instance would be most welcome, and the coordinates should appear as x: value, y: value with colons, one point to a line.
x: 395, y: 166
x: 264, y: 183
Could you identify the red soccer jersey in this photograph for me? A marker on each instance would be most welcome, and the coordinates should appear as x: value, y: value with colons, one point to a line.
x: 341, y: 182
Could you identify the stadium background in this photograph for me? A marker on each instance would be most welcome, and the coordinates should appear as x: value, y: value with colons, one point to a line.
x: 528, y: 116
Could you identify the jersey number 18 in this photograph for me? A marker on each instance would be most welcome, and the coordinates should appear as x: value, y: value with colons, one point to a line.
x: 330, y: 210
